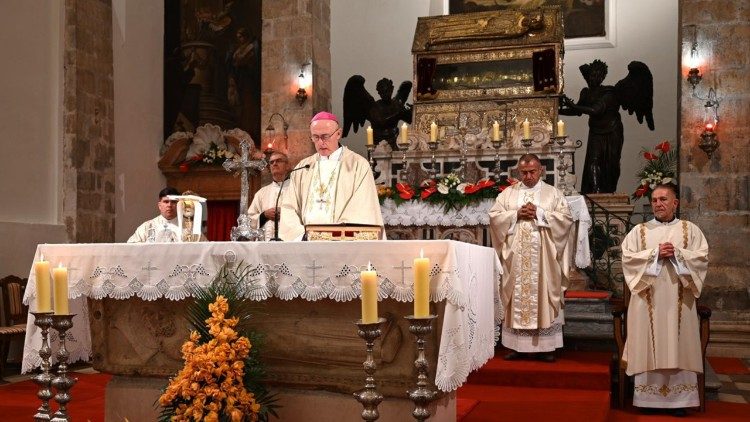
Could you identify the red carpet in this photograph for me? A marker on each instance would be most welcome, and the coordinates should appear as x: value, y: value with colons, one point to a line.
x: 574, y: 388
x: 586, y: 294
x: 715, y: 411
x: 18, y: 402
x: 728, y: 366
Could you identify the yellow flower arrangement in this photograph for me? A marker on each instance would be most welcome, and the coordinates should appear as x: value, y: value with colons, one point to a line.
x: 210, y: 387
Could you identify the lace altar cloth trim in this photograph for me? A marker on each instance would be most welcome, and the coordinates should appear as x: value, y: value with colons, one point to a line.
x: 466, y: 276
x: 419, y: 213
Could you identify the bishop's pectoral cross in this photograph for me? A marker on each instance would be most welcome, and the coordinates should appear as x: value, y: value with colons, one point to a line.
x: 242, y: 165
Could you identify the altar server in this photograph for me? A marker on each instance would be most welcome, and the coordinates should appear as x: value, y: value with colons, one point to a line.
x: 664, y: 262
x: 164, y: 227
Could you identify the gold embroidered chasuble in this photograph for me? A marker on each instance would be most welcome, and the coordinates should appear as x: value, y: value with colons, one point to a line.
x: 663, y: 325
x: 330, y: 192
x: 532, y: 253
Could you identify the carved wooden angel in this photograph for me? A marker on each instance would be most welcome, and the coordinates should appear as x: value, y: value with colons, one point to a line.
x: 602, y: 103
x: 383, y: 114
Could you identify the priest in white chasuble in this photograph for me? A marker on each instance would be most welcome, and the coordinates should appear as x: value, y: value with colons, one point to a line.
x: 262, y: 211
x: 664, y: 262
x: 529, y: 223
x: 333, y: 186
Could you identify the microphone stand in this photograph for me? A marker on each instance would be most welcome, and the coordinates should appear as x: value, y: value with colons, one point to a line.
x: 277, y: 211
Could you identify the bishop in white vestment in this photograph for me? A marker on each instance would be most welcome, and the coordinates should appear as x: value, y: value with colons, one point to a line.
x: 336, y: 187
x: 664, y: 262
x: 530, y: 222
x: 262, y: 211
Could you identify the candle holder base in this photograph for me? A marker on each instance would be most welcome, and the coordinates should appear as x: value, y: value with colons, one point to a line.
x: 62, y: 382
x: 43, y: 320
x: 422, y: 395
x: 369, y: 396
x: 526, y: 142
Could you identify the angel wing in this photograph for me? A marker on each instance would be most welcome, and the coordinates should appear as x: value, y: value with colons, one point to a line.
x: 357, y: 103
x: 403, y: 91
x: 636, y: 92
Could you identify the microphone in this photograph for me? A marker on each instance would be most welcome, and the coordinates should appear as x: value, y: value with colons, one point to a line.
x: 277, y: 211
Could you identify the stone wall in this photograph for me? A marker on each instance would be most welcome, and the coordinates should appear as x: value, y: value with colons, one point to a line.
x: 715, y: 192
x: 295, y: 32
x: 88, y: 208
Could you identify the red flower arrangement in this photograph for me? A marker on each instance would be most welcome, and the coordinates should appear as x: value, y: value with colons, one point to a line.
x: 660, y: 168
x: 449, y: 191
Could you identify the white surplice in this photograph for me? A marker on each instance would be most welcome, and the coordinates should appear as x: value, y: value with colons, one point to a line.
x: 265, y: 199
x: 157, y: 230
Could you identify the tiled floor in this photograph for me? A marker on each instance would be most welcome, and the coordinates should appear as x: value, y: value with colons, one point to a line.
x: 735, y: 388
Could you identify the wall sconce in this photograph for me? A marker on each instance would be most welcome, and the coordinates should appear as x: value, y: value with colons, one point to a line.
x: 708, y: 143
x: 302, y: 84
x: 271, y: 132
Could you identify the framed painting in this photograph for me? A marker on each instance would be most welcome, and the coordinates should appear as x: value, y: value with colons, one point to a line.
x: 212, y: 60
x: 588, y: 23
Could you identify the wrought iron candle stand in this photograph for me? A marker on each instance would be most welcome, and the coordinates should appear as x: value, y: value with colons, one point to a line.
x: 369, y: 396
x: 62, y: 382
x: 433, y: 163
x: 403, y: 146
x: 43, y: 320
x: 562, y: 166
x: 422, y: 395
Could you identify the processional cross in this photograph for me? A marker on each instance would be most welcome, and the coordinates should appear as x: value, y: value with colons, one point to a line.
x: 242, y: 165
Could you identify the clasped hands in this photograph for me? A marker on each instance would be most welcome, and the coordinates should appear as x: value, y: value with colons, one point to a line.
x: 527, y: 212
x: 666, y: 250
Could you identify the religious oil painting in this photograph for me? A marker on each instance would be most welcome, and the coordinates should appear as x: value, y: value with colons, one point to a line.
x: 212, y: 66
x: 583, y: 18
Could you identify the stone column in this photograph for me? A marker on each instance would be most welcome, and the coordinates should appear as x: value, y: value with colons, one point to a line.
x: 295, y: 32
x: 88, y: 208
x: 715, y: 192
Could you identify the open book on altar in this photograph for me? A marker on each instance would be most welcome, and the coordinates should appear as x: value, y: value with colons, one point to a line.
x: 348, y: 231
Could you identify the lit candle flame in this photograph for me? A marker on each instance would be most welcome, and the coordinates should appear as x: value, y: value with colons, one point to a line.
x: 41, y: 257
x: 369, y: 266
x: 421, y: 253
x: 59, y: 265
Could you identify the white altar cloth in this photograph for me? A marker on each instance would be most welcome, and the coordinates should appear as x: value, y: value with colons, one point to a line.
x: 421, y: 213
x: 466, y: 276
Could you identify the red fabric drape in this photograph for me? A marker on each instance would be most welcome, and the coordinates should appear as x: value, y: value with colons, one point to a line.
x: 222, y: 216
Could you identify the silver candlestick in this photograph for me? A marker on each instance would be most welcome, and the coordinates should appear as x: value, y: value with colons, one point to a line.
x: 369, y: 396
x: 433, y: 163
x: 562, y: 166
x: 43, y: 320
x: 497, y: 170
x: 370, y: 150
x: 62, y: 382
x: 422, y: 395
x: 403, y: 146
x: 526, y: 142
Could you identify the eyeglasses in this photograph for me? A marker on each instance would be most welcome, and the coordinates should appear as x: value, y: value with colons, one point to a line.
x: 277, y: 161
x: 324, y: 138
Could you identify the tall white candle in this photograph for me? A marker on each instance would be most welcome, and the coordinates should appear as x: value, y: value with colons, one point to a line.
x: 404, y: 134
x: 433, y: 132
x: 496, y: 131
x: 369, y: 136
x: 526, y: 129
x: 560, y: 128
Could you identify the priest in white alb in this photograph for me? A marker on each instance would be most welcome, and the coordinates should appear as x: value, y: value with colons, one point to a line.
x: 664, y: 262
x: 262, y: 211
x: 333, y: 186
x: 529, y: 223
x: 164, y: 227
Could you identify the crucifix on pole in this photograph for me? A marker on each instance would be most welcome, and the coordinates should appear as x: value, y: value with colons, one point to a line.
x: 242, y: 165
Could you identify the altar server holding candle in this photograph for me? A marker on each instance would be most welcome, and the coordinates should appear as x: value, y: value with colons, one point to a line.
x: 421, y: 286
x: 43, y: 289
